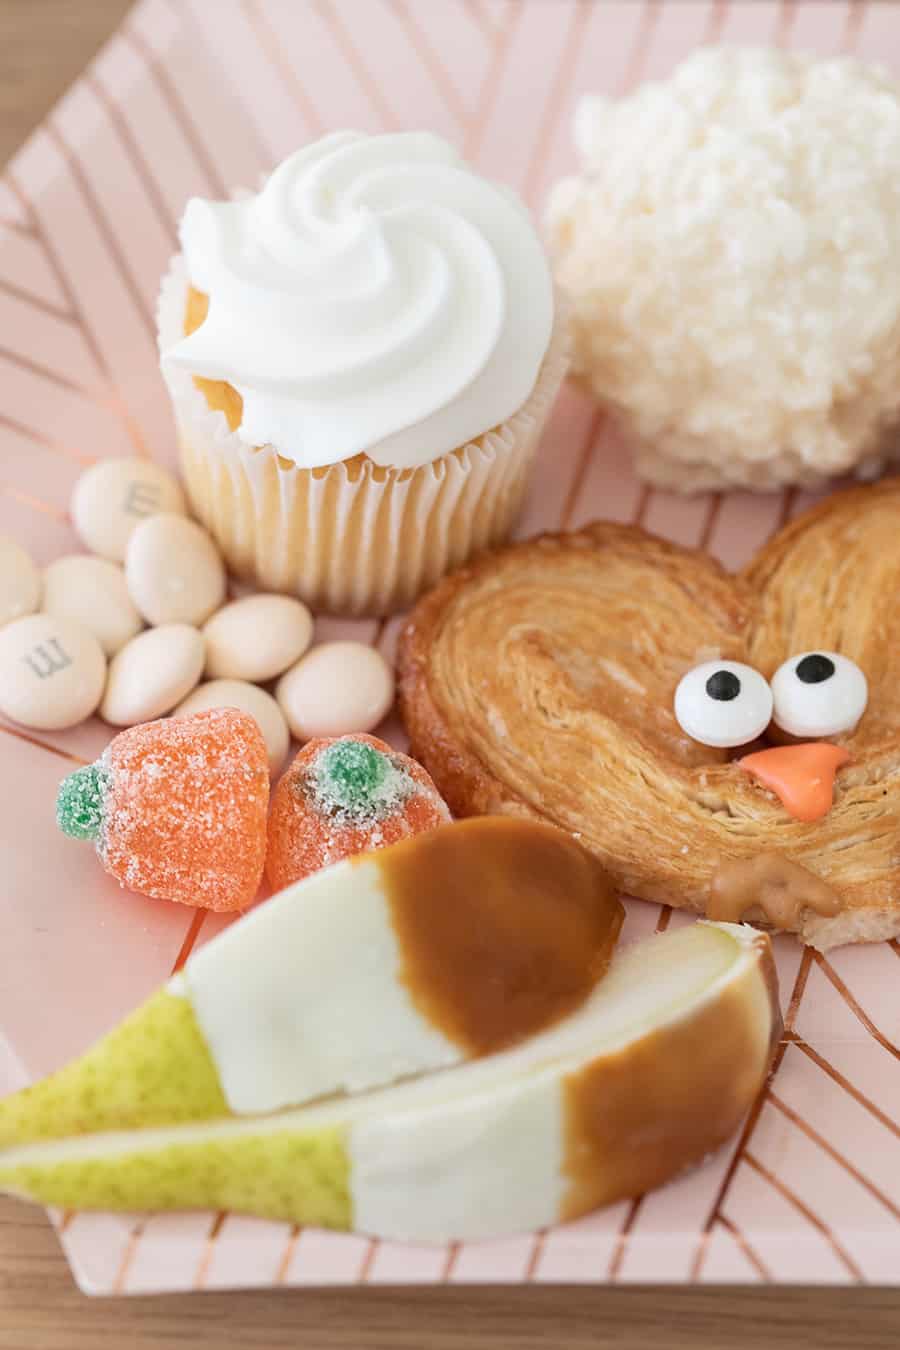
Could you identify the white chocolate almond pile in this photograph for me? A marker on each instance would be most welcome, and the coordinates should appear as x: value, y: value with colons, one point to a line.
x: 130, y: 629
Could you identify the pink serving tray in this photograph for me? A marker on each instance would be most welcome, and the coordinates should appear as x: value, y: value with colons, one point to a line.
x: 194, y: 97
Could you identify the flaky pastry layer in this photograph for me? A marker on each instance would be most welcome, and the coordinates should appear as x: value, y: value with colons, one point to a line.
x: 539, y: 681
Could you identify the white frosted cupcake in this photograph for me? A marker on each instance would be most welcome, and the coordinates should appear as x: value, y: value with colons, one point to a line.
x: 361, y: 358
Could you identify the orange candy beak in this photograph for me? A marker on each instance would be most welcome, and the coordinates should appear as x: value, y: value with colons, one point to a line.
x: 801, y: 776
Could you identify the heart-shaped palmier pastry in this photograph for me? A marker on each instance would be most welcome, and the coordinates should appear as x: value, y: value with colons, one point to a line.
x: 541, y: 681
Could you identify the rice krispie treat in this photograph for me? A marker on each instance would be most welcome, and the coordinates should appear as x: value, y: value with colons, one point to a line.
x: 729, y: 251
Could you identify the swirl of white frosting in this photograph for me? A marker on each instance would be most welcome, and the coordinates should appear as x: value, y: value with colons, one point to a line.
x: 375, y: 296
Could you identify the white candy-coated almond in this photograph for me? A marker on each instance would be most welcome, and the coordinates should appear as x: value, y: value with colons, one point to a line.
x: 92, y: 591
x: 257, y: 638
x: 250, y: 699
x: 52, y: 672
x: 152, y: 673
x: 112, y: 497
x: 336, y: 689
x: 174, y: 571
x: 20, y: 581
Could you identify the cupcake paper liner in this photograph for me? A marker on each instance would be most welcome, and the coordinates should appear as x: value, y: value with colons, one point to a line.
x: 353, y: 538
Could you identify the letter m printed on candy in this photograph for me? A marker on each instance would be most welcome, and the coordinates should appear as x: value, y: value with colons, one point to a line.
x: 141, y: 499
x: 47, y: 658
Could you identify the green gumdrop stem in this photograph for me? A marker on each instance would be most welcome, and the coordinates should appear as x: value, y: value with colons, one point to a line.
x: 351, y: 772
x: 80, y: 802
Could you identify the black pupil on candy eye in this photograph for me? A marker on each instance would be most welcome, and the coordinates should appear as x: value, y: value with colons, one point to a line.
x: 815, y: 668
x: 723, y: 686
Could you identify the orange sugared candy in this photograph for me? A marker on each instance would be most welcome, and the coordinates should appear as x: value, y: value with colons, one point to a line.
x: 346, y: 796
x: 177, y: 808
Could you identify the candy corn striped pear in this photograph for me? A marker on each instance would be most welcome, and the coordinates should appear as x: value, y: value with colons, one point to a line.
x: 445, y: 947
x: 648, y: 1074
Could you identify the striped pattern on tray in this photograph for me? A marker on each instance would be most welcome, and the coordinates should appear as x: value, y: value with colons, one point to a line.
x: 191, y: 97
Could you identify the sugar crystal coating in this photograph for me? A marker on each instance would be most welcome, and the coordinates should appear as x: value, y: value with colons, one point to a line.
x: 343, y: 797
x: 177, y: 808
x: 353, y: 781
x: 79, y: 803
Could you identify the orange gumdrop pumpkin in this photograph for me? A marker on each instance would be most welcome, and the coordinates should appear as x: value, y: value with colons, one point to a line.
x: 177, y: 808
x: 342, y: 796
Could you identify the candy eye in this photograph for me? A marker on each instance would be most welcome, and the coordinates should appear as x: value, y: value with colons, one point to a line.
x: 819, y: 694
x: 723, y: 703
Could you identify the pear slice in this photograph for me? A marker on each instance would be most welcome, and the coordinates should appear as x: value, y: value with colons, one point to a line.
x: 152, y: 1069
x: 444, y: 947
x: 652, y: 1072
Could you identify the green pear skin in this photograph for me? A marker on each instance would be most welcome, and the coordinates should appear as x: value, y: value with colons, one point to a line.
x: 153, y: 1069
x: 276, y: 1176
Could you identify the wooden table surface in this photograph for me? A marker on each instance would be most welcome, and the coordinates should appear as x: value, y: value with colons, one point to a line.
x: 43, y: 46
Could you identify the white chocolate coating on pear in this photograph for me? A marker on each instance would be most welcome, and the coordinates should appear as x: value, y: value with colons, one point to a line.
x: 300, y: 1028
